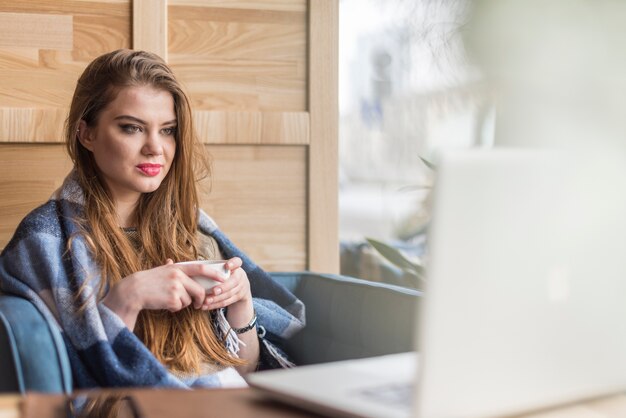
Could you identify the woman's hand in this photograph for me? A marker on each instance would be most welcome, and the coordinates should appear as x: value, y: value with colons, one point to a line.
x: 235, y: 294
x: 166, y: 287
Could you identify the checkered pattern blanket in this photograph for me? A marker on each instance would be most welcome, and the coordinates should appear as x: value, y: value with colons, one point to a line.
x: 103, y: 352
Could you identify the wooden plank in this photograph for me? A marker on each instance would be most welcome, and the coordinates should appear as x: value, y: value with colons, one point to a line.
x: 256, y: 195
x: 150, y: 26
x: 32, y: 124
x: 210, y: 39
x: 285, y: 128
x: 37, y: 87
x: 278, y: 5
x: 323, y: 227
x: 196, y: 67
x: 65, y: 62
x: 258, y: 200
x: 35, y: 30
x: 216, y: 127
x: 220, y: 14
x: 46, y: 77
x: 119, y: 8
x: 95, y: 35
x: 240, y: 66
x: 28, y: 176
x: 18, y: 58
x: 241, y: 93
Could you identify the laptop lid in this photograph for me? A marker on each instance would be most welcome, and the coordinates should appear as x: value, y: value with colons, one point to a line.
x: 525, y: 304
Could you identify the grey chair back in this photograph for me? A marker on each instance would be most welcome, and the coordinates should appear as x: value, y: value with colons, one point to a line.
x: 348, y: 318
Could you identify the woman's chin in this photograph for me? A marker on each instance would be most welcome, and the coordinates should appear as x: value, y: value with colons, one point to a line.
x: 151, y: 184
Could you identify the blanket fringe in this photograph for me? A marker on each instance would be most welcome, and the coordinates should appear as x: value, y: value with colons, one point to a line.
x: 280, y: 358
x: 231, y: 341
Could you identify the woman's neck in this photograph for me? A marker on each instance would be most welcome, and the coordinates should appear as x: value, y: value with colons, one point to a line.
x: 126, y: 215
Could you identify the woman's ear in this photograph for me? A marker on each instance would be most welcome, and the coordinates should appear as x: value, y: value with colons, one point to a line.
x: 85, y: 135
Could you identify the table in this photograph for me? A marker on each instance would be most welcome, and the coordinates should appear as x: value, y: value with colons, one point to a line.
x: 248, y: 403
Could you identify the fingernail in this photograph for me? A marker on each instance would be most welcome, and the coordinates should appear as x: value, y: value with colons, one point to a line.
x: 218, y: 291
x: 209, y: 301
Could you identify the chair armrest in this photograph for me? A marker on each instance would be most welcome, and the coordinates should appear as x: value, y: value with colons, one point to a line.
x: 350, y: 318
x: 33, y: 355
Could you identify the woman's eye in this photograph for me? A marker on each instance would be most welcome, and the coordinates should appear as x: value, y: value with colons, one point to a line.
x: 169, y: 131
x: 131, y: 129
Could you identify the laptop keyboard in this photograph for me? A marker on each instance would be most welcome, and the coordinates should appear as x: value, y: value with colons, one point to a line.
x: 399, y: 394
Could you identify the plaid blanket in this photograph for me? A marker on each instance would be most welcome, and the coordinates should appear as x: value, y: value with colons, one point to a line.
x: 102, y: 350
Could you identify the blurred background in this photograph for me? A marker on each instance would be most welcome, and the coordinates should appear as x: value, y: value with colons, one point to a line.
x: 417, y: 78
x: 406, y: 92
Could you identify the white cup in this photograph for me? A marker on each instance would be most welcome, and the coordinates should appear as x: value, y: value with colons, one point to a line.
x: 206, y: 282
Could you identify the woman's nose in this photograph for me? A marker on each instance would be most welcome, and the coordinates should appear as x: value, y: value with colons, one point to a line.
x: 153, y: 144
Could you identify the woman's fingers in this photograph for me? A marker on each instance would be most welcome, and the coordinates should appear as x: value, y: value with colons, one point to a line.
x: 203, y: 270
x: 178, y: 290
x: 185, y: 300
x: 229, y: 300
x: 234, y: 263
x: 213, y: 299
x: 226, y: 286
x: 194, y: 290
x: 221, y: 296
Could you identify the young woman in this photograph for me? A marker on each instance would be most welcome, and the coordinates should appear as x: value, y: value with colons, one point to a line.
x: 98, y: 259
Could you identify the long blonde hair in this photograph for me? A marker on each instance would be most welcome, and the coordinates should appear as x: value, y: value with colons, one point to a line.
x: 166, y: 218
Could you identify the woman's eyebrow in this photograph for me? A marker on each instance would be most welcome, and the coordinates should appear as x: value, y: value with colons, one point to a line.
x: 133, y: 118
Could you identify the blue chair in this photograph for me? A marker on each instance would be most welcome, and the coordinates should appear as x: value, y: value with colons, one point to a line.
x: 32, y: 354
x: 346, y: 318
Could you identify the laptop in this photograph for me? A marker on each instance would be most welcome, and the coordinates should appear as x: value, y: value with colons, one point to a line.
x: 525, y: 304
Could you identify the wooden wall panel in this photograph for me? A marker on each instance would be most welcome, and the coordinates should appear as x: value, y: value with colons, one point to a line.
x: 215, y: 127
x: 240, y: 59
x: 277, y: 5
x: 150, y: 26
x: 94, y: 35
x: 28, y: 176
x: 18, y: 58
x: 323, y: 232
x: 35, y: 30
x: 256, y: 195
x: 104, y: 8
x: 262, y: 78
x: 21, y: 124
x: 40, y: 64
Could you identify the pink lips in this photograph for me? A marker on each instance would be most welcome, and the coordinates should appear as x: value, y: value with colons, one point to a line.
x: 150, y: 169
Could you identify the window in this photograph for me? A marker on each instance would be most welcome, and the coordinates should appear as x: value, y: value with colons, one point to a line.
x: 406, y: 91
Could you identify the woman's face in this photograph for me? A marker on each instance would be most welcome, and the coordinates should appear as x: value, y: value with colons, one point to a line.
x: 133, y: 141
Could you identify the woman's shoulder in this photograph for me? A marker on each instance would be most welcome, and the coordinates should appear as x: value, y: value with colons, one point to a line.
x: 64, y: 203
x: 44, y: 220
x: 208, y: 247
x: 206, y: 224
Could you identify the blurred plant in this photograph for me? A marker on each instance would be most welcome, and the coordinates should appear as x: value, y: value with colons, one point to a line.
x: 412, y: 267
x: 416, y: 225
